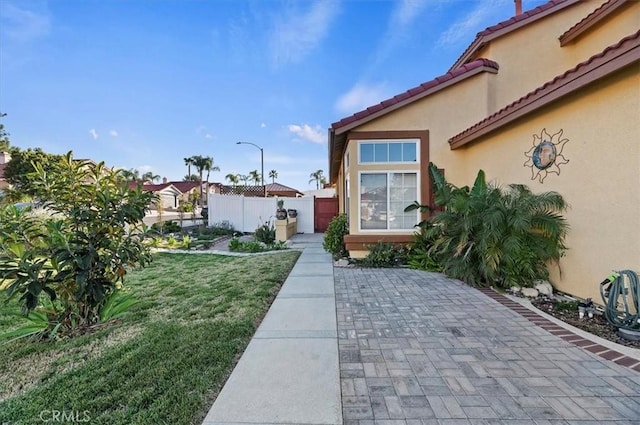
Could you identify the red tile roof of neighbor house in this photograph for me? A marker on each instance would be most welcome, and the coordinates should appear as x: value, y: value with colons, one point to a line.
x: 511, y: 24
x: 185, y: 186
x: 277, y: 187
x: 592, y: 19
x: 416, y: 93
x: 611, y: 59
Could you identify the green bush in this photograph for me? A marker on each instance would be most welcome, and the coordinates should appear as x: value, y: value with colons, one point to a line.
x: 266, y: 233
x: 165, y: 227
x: 420, y: 255
x: 492, y: 236
x: 383, y: 255
x: 334, y: 237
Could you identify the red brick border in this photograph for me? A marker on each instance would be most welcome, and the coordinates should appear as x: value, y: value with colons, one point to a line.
x: 563, y: 333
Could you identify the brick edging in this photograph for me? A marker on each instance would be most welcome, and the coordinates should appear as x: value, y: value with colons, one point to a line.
x: 565, y: 334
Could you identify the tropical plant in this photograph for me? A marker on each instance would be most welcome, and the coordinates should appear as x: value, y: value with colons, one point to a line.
x: 22, y: 162
x: 244, y: 179
x: 487, y: 235
x: 131, y: 175
x: 255, y: 176
x: 273, y: 175
x: 318, y: 177
x: 202, y: 164
x: 333, y: 241
x: 116, y: 304
x: 420, y: 256
x: 233, y: 179
x: 4, y: 136
x: 191, y: 178
x: 149, y: 176
x: 79, y: 253
x: 188, y: 162
x: 266, y: 233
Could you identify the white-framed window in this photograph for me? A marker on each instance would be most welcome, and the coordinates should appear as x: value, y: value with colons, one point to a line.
x: 388, y: 151
x: 383, y: 198
x: 347, y: 195
x: 346, y: 162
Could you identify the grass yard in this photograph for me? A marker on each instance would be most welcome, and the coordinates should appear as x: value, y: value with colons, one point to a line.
x: 164, y: 363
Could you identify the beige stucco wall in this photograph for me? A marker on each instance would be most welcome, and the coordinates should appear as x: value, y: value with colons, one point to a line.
x: 532, y: 55
x: 601, y: 182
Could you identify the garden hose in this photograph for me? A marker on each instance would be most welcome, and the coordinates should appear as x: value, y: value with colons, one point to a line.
x: 623, y: 284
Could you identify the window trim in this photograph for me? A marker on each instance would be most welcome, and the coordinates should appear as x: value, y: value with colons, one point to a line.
x: 415, y: 140
x: 387, y: 173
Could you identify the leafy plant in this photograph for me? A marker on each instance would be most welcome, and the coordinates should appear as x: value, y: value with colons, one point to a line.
x: 420, y: 256
x: 383, y: 255
x: 164, y: 227
x: 79, y: 253
x: 492, y: 236
x: 266, y: 233
x: 333, y: 240
x: 116, y: 304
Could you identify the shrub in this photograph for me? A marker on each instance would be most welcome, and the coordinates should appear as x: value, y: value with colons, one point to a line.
x: 492, y: 236
x: 383, y: 255
x: 266, y: 233
x: 165, y: 227
x: 334, y: 236
x: 79, y: 254
x: 420, y: 255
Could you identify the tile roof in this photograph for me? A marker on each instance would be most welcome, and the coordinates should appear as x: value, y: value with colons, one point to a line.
x: 591, y: 19
x: 277, y: 187
x: 417, y: 93
x: 623, y: 53
x: 509, y: 25
x: 184, y: 186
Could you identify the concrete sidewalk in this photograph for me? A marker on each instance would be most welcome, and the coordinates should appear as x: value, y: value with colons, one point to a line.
x: 289, y: 373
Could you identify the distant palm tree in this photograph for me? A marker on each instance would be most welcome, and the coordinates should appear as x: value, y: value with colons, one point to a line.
x: 273, y: 175
x: 255, y: 177
x: 188, y: 162
x: 203, y: 163
x: 318, y: 177
x: 190, y: 178
x: 244, y: 178
x: 149, y: 176
x: 131, y: 174
x: 233, y: 179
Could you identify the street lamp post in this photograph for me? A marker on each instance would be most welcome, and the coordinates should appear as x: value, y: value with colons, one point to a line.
x: 261, y: 158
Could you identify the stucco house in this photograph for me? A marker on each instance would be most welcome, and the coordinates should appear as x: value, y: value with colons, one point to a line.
x: 4, y: 159
x: 549, y: 98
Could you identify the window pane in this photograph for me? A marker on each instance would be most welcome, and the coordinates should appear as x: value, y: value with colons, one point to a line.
x: 395, y: 152
x: 366, y: 152
x: 403, y: 191
x: 409, y: 152
x: 381, y: 154
x: 373, y: 201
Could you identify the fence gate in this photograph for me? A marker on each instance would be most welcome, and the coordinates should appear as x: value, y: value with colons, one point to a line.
x: 325, y: 210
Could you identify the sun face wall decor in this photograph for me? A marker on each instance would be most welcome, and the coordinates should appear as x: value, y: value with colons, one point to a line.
x: 546, y: 155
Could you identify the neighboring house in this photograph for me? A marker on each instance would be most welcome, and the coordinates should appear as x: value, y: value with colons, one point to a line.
x: 277, y: 189
x: 4, y: 159
x: 549, y: 98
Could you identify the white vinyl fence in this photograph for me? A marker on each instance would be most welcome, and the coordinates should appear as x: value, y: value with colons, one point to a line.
x: 246, y: 214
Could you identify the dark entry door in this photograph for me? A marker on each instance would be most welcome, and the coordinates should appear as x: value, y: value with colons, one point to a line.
x: 325, y: 210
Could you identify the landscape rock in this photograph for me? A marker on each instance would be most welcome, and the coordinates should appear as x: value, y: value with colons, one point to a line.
x: 530, y: 292
x: 343, y: 262
x: 543, y: 287
x: 515, y: 289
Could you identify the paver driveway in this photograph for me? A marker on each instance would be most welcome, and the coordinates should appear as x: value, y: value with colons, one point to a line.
x: 418, y: 348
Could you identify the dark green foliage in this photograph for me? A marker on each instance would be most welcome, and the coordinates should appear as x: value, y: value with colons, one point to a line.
x: 266, y: 233
x: 420, y: 256
x: 566, y: 306
x: 21, y: 168
x: 79, y: 249
x: 383, y: 255
x: 165, y: 227
x: 334, y: 236
x: 4, y: 137
x: 492, y: 236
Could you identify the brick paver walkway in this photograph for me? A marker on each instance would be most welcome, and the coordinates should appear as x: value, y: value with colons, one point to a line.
x: 418, y: 348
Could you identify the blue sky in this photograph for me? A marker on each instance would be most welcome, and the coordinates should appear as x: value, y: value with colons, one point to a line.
x: 143, y: 84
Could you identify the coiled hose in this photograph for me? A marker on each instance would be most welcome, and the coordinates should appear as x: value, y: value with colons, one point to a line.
x: 625, y: 285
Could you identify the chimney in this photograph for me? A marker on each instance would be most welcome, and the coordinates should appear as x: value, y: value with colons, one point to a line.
x: 4, y: 157
x: 164, y: 180
x: 518, y: 7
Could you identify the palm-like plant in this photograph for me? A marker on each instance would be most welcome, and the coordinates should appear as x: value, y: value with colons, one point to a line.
x: 149, y: 176
x: 255, y: 177
x: 244, y: 178
x: 188, y: 162
x: 233, y: 179
x: 191, y: 178
x: 273, y: 175
x: 318, y: 177
x: 487, y: 235
x: 131, y: 174
x: 203, y: 163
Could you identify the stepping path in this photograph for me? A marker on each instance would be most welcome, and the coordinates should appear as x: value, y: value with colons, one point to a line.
x: 289, y: 372
x: 417, y: 348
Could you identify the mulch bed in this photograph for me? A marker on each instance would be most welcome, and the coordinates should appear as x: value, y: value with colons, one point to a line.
x: 598, y: 325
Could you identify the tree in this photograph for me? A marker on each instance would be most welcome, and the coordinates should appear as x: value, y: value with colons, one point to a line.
x: 131, y: 174
x: 318, y: 177
x: 255, y: 177
x: 203, y: 163
x: 244, y: 178
x: 149, y: 176
x: 22, y: 162
x: 273, y: 175
x: 191, y: 178
x: 4, y: 137
x: 188, y: 162
x: 80, y: 254
x: 233, y: 179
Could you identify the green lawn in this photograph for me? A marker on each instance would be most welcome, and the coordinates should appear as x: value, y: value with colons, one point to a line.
x: 164, y: 363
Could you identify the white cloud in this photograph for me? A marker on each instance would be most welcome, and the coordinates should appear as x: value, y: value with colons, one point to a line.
x: 23, y: 25
x: 208, y: 136
x: 465, y: 28
x: 361, y: 96
x: 263, y: 125
x: 113, y: 133
x: 299, y: 32
x: 94, y: 134
x: 306, y: 132
x: 406, y: 12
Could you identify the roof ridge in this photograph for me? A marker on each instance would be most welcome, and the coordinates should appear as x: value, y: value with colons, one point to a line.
x: 417, y: 90
x: 604, y: 9
x: 549, y: 83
